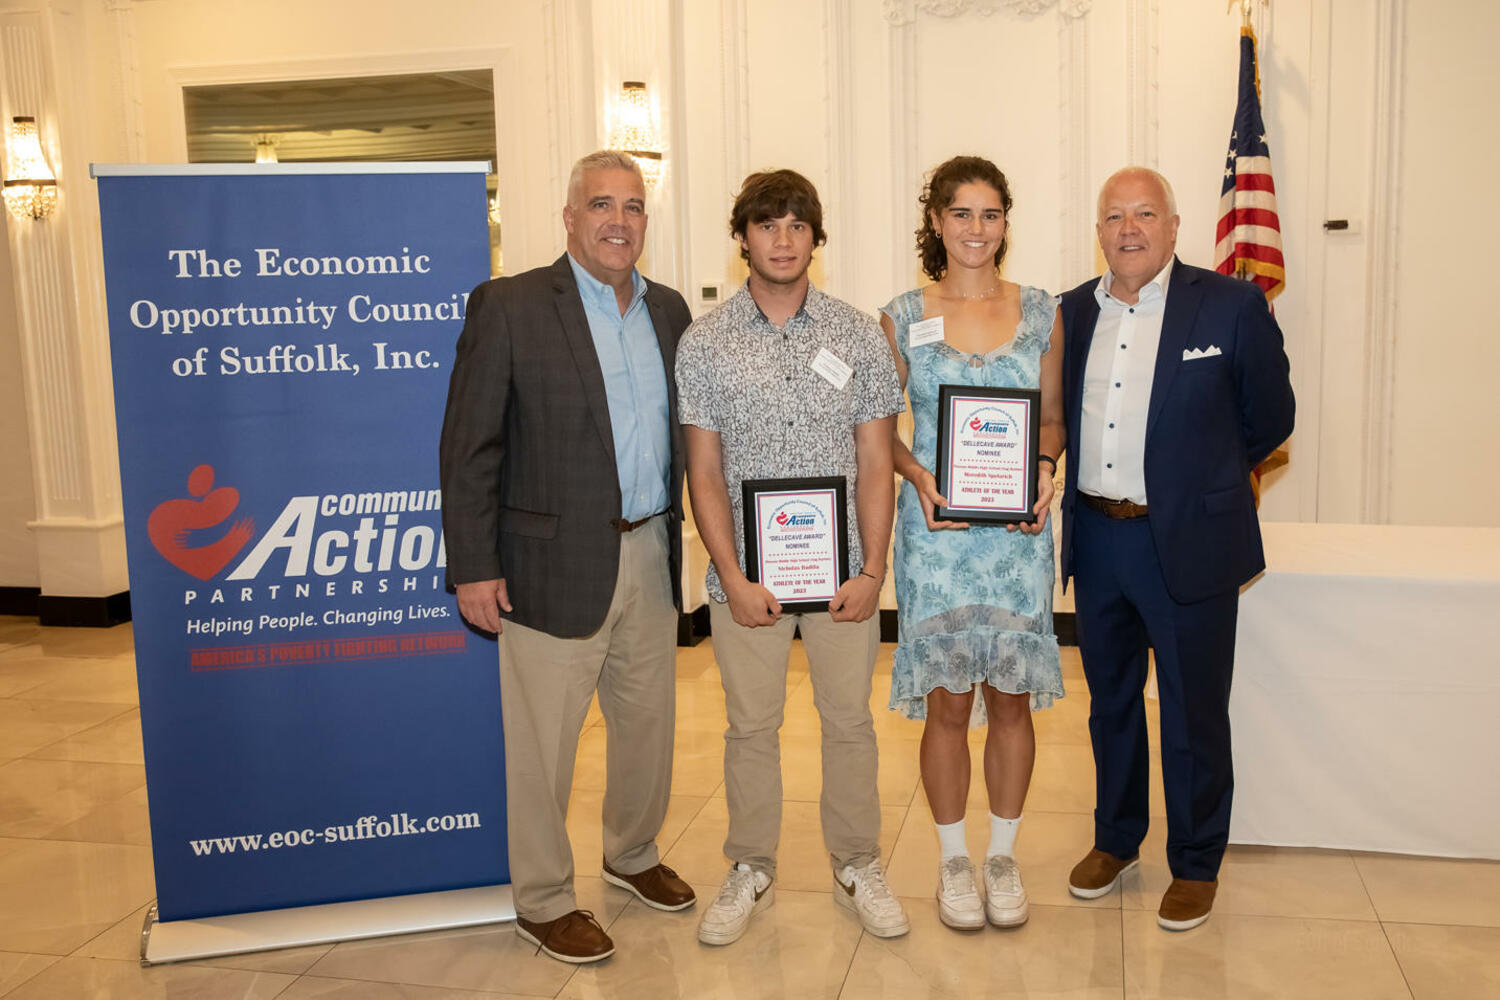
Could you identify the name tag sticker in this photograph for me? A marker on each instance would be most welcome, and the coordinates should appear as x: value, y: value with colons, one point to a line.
x: 828, y: 365
x: 927, y: 331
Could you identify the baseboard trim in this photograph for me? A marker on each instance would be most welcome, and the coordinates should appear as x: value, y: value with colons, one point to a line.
x: 1065, y: 626
x: 693, y: 628
x: 19, y: 600
x: 84, y: 612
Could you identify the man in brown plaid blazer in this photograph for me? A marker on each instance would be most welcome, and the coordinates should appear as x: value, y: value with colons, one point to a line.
x: 562, y: 507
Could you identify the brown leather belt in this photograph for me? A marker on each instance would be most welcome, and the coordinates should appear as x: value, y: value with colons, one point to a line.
x: 625, y: 527
x: 1118, y: 509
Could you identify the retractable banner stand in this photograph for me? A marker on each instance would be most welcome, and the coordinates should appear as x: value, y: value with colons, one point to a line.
x: 320, y: 727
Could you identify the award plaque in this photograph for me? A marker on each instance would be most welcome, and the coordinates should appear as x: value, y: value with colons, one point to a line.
x: 797, y: 539
x: 987, y: 452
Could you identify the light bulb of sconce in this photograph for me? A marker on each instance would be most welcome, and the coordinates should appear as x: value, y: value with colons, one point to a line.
x: 265, y: 149
x: 30, y: 186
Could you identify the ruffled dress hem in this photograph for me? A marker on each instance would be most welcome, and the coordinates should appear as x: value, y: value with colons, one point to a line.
x: 957, y: 662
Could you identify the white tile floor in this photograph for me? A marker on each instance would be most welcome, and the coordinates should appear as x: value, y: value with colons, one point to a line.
x: 75, y: 879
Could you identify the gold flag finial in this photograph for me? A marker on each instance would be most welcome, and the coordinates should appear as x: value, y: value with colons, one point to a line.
x: 1247, y: 7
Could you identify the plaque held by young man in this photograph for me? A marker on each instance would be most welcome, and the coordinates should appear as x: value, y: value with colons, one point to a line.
x: 797, y: 539
x: 986, y: 453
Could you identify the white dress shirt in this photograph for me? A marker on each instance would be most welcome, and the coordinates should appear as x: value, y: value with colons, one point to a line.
x: 1117, y: 378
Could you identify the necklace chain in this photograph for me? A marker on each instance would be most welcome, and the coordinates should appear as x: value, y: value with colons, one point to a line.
x: 986, y: 294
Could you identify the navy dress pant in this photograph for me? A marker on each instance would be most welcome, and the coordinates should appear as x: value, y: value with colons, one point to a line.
x: 1123, y: 611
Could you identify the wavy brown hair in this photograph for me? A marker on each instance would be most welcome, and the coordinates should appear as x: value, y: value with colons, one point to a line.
x: 772, y: 194
x: 942, y: 184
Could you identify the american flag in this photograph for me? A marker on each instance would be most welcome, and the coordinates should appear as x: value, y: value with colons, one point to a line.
x: 1249, y: 232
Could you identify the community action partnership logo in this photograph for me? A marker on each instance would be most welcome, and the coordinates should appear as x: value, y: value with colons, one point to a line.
x: 172, y: 524
x: 368, y: 554
x: 982, y: 425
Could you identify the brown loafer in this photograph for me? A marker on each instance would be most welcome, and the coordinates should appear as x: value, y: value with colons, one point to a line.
x: 575, y: 938
x: 658, y: 887
x: 1186, y: 904
x: 1098, y: 873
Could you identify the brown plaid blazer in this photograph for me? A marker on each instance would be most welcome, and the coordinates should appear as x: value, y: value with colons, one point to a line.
x: 530, y: 486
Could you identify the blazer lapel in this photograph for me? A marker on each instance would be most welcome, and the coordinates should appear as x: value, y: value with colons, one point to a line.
x: 1184, y: 293
x: 575, y: 327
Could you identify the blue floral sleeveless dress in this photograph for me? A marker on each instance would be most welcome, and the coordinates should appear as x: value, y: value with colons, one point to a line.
x: 973, y: 605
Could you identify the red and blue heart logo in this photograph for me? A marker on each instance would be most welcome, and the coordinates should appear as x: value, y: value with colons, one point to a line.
x: 173, y: 524
x: 781, y: 518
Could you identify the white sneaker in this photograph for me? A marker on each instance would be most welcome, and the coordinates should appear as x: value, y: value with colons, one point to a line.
x: 1005, y: 896
x: 745, y: 891
x: 864, y: 891
x: 959, y: 905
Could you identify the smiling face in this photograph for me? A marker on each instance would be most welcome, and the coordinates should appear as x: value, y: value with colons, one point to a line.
x: 1137, y: 229
x: 972, y: 227
x: 780, y: 250
x: 606, y: 222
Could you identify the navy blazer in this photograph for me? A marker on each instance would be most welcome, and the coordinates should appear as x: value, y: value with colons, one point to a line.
x: 1211, y: 420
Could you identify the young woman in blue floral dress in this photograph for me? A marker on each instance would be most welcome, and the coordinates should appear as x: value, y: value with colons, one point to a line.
x: 974, y: 600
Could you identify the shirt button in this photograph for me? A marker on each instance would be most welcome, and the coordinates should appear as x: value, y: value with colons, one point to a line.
x: 1117, y: 385
x: 1109, y: 465
x: 1132, y: 312
x: 1122, y: 347
x: 1111, y: 426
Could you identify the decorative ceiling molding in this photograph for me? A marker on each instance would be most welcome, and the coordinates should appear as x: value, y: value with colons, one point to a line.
x: 900, y: 12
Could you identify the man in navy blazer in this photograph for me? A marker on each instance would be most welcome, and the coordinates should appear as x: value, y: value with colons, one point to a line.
x: 1176, y: 386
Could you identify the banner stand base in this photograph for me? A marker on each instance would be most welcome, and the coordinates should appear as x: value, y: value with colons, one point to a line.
x: 328, y: 923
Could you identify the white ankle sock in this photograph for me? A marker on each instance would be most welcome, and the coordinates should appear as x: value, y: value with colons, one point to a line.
x: 951, y: 840
x: 1002, y: 836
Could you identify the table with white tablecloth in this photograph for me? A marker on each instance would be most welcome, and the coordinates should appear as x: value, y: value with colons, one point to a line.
x: 1366, y: 704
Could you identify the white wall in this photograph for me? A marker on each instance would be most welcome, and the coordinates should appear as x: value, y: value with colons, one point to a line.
x: 192, y: 42
x: 1369, y: 105
x: 1447, y: 350
x: 865, y: 95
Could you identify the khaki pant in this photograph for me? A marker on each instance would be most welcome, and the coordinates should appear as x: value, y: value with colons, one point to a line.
x: 546, y: 684
x: 752, y: 663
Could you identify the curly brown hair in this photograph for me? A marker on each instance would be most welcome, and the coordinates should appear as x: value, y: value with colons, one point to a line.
x: 772, y: 194
x: 942, y: 184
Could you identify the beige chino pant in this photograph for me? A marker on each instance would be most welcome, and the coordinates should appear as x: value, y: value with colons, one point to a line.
x: 752, y: 664
x: 546, y: 684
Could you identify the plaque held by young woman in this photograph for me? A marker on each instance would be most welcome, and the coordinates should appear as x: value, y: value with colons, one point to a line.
x: 987, y: 452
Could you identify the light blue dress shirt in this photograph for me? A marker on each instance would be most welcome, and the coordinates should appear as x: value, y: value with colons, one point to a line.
x: 635, y: 384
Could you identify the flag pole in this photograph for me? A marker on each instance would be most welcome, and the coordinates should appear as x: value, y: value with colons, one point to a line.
x: 1246, y: 266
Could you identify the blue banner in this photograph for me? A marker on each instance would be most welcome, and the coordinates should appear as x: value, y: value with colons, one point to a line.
x: 319, y: 725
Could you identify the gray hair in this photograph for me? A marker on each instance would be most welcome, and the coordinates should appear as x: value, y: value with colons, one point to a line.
x: 601, y: 159
x: 1166, y: 186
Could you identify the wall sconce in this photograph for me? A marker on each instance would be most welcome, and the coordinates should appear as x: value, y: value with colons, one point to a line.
x: 633, y: 132
x: 31, y: 188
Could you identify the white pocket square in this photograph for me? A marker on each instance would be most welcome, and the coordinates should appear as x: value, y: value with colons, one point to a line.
x: 1194, y: 353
